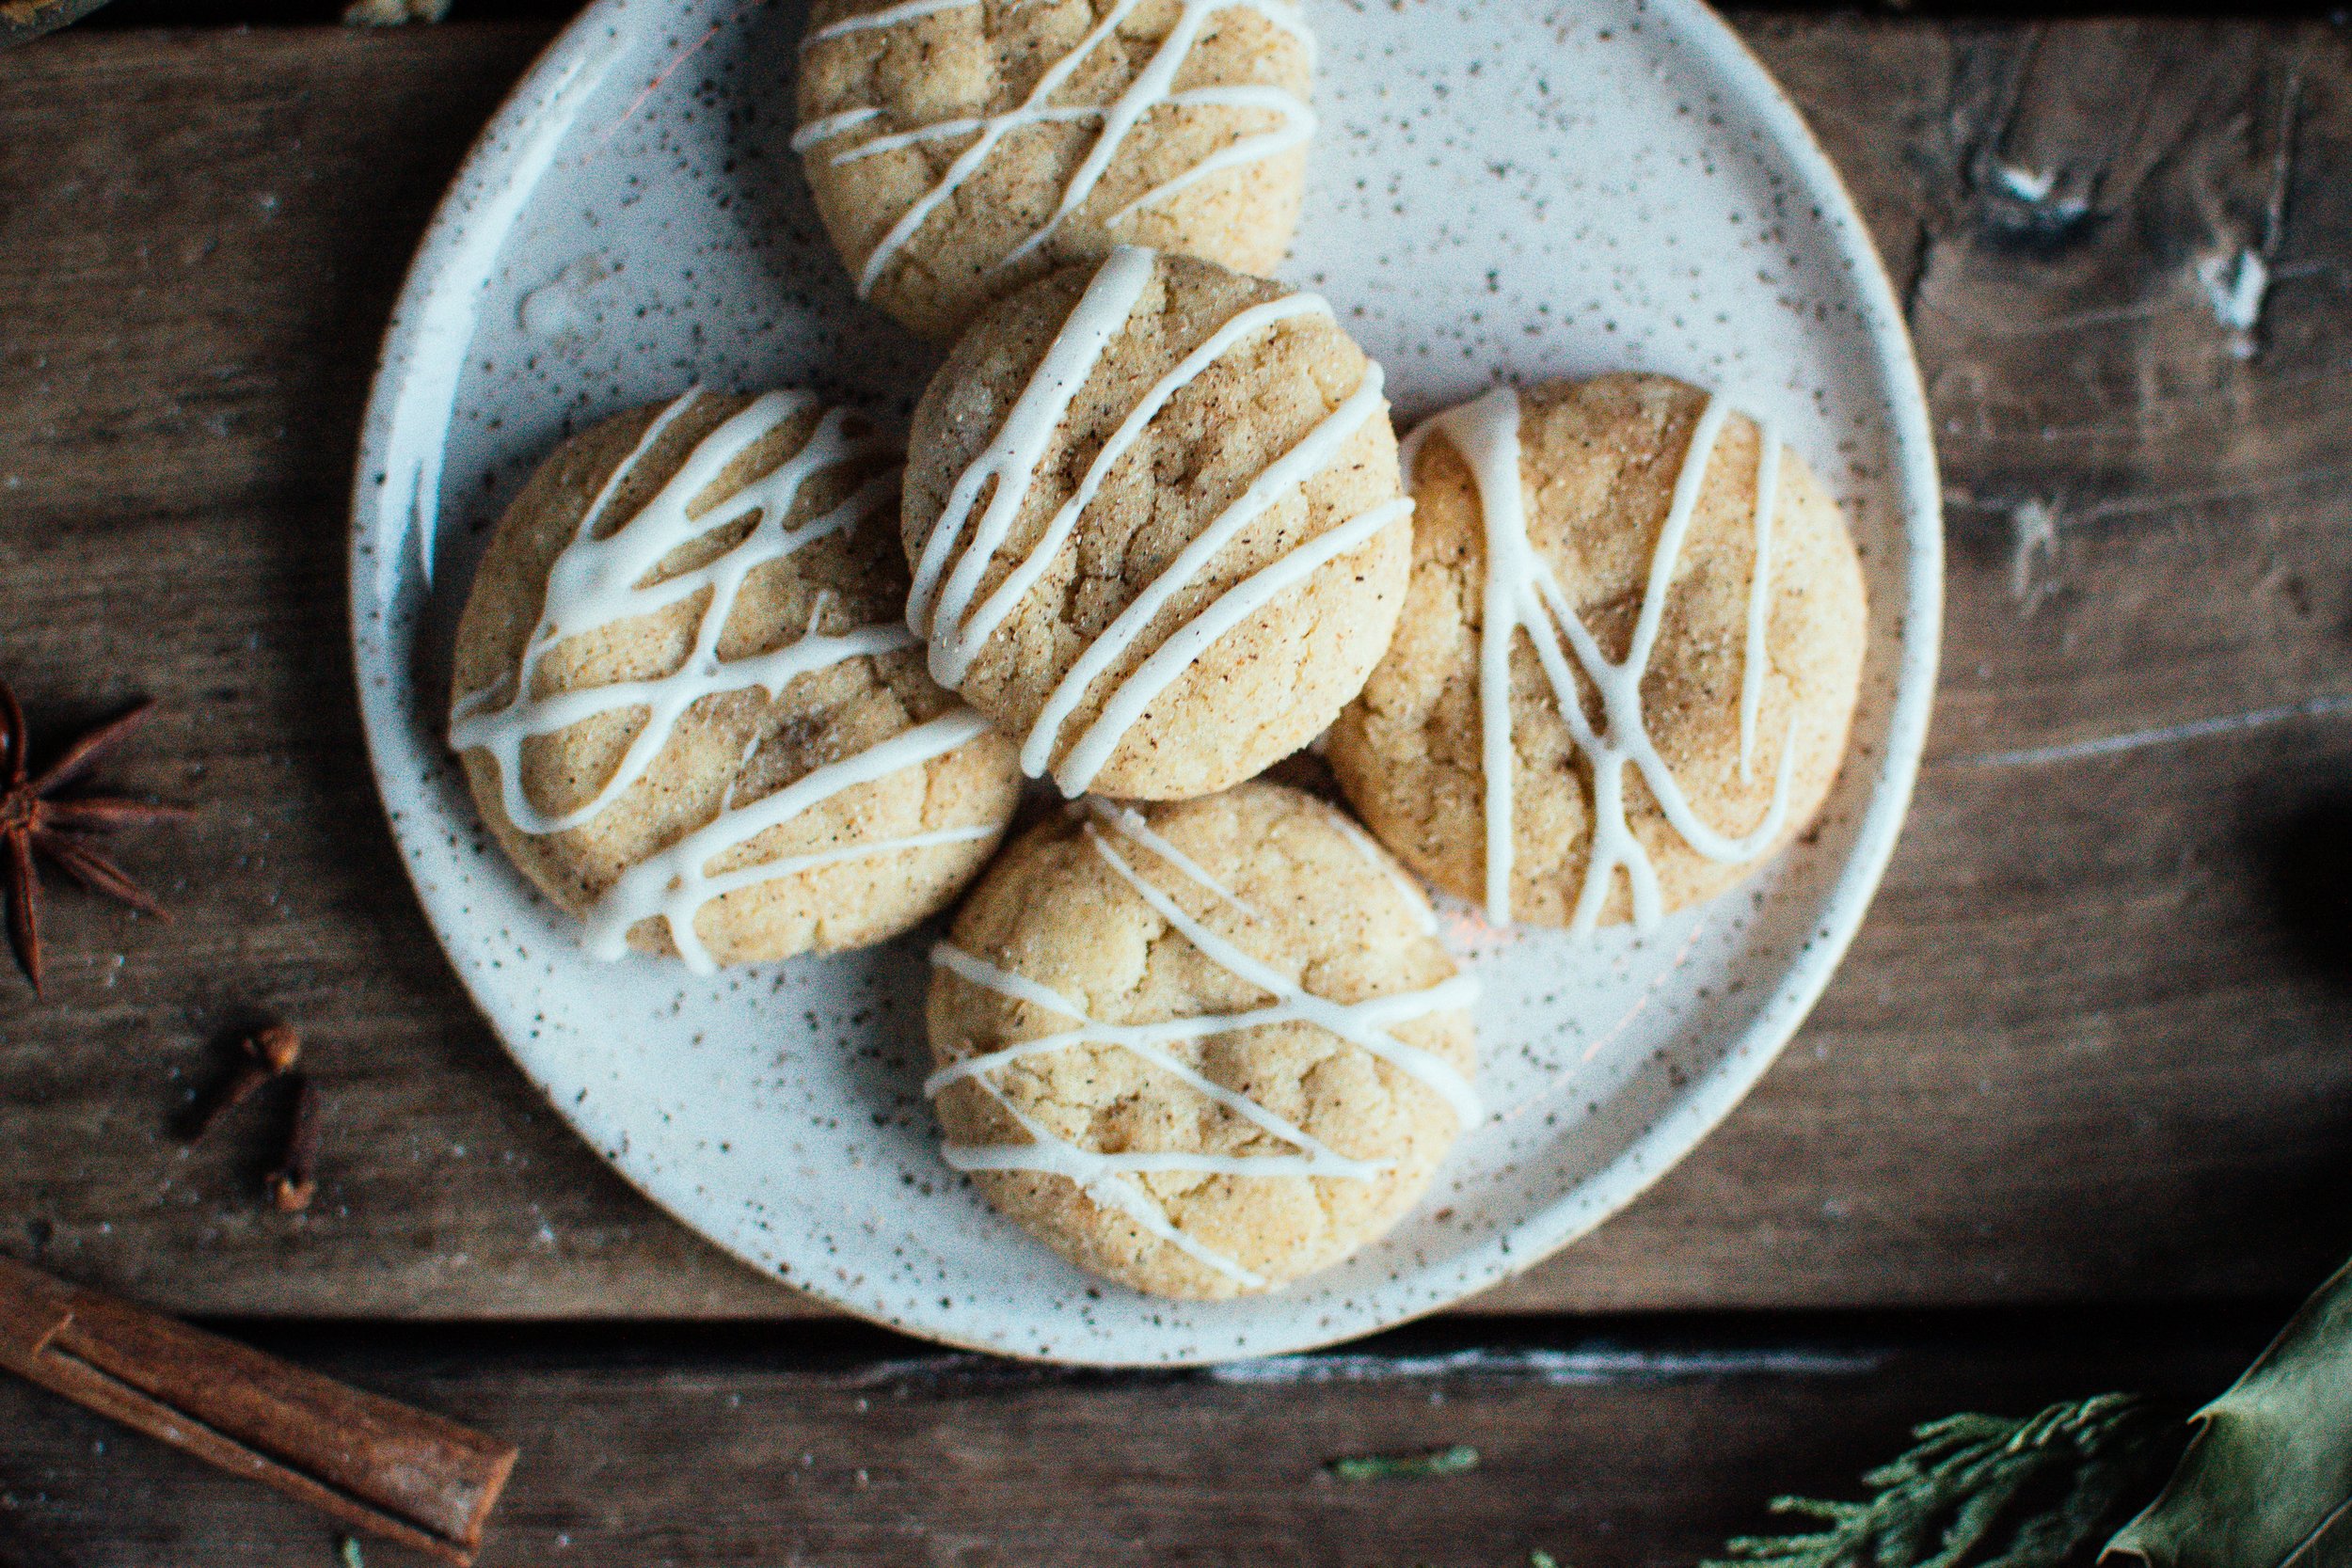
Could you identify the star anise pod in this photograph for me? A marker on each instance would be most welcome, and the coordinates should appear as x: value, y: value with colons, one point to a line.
x: 32, y: 817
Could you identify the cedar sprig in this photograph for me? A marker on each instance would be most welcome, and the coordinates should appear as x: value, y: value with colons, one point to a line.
x: 1983, y: 1492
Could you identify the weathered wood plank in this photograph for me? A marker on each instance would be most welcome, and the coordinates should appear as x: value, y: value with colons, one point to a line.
x: 852, y: 1447
x: 2089, y: 1046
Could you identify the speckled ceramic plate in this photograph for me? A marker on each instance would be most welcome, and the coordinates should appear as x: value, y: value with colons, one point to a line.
x: 1498, y: 189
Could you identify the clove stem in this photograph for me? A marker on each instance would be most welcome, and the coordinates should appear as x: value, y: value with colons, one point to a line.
x: 292, y: 1184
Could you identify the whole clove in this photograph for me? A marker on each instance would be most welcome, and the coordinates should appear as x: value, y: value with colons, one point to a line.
x: 261, y: 1056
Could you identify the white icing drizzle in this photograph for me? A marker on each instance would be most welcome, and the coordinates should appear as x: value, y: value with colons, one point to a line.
x: 1150, y: 90
x: 1522, y: 595
x: 832, y: 125
x: 1129, y: 700
x: 1009, y: 462
x: 1358, y: 1023
x: 1298, y: 125
x: 957, y: 554
x: 1052, y: 1156
x: 1147, y: 1040
x: 675, y: 882
x: 1099, y: 1175
x: 600, y: 581
x: 889, y: 16
x: 959, y: 631
x: 1130, y: 822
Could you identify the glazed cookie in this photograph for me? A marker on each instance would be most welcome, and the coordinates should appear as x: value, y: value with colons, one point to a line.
x: 687, y: 705
x: 959, y: 148
x: 1683, y: 575
x: 1153, y: 513
x: 1202, y: 1049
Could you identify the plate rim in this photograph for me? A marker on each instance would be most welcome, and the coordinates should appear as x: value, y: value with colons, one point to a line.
x: 1709, y: 1099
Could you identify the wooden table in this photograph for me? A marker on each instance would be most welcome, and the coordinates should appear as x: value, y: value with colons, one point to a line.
x: 2077, y: 1112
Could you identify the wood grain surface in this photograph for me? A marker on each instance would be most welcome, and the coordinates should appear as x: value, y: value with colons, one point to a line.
x: 2091, y: 1044
x: 831, y: 1443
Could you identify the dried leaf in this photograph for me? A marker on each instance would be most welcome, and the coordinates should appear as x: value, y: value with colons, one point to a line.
x: 1404, y: 1466
x: 2267, y: 1478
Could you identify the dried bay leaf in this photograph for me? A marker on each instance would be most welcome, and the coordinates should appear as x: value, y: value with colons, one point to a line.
x: 2266, y: 1481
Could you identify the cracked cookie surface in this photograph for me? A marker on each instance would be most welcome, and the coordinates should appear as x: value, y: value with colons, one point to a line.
x: 1085, y: 949
x: 1154, y: 512
x: 587, y: 783
x: 959, y: 151
x: 1597, y: 466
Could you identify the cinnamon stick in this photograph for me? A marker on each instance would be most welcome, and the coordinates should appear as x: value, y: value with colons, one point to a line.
x: 375, y: 1465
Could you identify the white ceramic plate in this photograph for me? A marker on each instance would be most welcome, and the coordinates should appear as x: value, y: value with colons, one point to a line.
x: 1496, y: 191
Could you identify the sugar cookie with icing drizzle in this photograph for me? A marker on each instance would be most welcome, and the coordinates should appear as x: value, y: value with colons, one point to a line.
x: 1686, y: 629
x: 1201, y: 1048
x: 688, y: 704
x: 959, y: 148
x: 1154, y: 522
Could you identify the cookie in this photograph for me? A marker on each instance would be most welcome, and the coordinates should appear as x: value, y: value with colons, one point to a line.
x: 957, y: 148
x: 1680, y: 668
x: 688, y: 704
x: 1203, y: 1048
x: 1154, y: 519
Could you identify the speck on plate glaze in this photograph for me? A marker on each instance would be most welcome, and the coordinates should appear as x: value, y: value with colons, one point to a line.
x: 1497, y: 191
